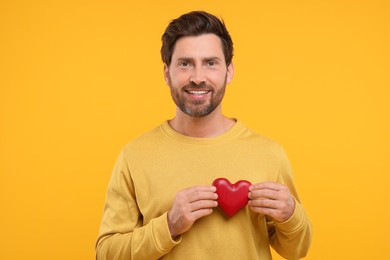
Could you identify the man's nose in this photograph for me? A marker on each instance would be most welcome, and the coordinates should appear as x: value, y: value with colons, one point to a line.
x: 198, y: 76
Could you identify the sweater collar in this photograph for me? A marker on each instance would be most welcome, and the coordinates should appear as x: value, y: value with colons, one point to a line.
x: 229, y: 134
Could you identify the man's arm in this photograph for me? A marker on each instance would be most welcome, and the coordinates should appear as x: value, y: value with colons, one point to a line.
x: 288, y: 225
x: 123, y: 234
x: 291, y: 238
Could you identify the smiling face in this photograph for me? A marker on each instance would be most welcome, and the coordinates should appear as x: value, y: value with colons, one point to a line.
x: 197, y: 75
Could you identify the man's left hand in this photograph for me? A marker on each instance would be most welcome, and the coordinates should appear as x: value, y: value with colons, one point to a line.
x: 271, y: 199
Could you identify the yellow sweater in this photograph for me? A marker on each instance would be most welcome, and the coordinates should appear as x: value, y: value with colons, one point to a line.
x: 154, y: 167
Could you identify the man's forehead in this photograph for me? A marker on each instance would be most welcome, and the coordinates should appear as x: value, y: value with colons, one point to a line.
x: 207, y: 45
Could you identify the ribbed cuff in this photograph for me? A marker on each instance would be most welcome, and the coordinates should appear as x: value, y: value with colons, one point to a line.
x: 295, y: 222
x: 162, y: 236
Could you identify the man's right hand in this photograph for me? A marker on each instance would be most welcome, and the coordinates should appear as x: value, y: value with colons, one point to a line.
x: 190, y: 205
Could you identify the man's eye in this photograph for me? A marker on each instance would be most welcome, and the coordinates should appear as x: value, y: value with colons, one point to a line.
x: 211, y: 63
x: 184, y: 64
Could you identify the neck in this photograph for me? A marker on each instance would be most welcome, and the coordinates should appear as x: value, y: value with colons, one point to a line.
x: 212, y: 125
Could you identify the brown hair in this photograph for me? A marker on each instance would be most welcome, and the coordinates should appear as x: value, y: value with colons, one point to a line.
x: 194, y: 24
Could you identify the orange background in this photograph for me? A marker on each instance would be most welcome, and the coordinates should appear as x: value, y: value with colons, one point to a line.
x: 79, y: 79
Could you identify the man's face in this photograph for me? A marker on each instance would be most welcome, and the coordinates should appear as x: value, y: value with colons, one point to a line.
x: 197, y: 75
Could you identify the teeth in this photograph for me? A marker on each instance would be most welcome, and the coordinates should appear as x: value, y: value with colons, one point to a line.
x: 199, y: 92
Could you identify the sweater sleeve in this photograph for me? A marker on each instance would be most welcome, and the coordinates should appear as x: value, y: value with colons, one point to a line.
x: 123, y: 235
x: 292, y: 238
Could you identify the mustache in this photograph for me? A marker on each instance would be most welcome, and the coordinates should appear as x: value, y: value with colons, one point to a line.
x: 193, y: 85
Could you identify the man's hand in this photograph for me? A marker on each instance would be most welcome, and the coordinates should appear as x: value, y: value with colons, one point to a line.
x: 271, y: 199
x: 190, y: 205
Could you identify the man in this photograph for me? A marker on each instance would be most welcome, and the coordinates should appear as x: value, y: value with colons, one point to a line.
x: 160, y: 201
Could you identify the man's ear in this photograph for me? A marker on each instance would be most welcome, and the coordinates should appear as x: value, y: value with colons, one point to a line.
x: 166, y: 74
x: 230, y: 73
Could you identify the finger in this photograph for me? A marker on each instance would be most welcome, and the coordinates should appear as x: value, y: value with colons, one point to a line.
x: 265, y: 203
x: 202, y: 194
x: 277, y: 214
x: 203, y: 204
x: 201, y: 213
x: 263, y: 193
x: 202, y: 188
x: 265, y: 211
x: 266, y: 185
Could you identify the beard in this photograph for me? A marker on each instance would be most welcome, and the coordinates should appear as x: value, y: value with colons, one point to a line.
x: 198, y: 108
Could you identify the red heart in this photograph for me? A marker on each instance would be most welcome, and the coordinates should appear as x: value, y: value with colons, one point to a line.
x: 231, y: 197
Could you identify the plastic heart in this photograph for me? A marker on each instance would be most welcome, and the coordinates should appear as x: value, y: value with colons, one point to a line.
x: 231, y: 197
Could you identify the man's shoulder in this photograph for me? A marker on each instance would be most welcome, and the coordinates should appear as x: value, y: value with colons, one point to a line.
x: 254, y: 136
x: 149, y: 138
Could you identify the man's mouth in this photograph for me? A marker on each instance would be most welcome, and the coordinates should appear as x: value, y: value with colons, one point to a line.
x: 198, y: 92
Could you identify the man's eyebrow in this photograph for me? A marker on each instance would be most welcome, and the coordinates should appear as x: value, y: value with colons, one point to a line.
x: 205, y: 58
x: 184, y: 59
x: 212, y: 58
